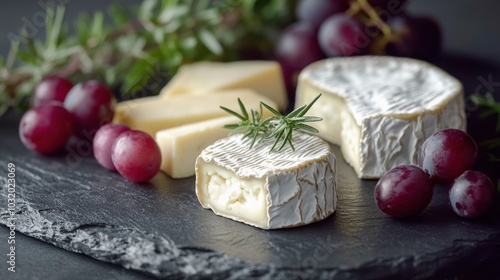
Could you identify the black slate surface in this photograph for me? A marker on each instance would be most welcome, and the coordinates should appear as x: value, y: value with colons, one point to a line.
x: 38, y: 260
x: 81, y: 205
x: 160, y: 229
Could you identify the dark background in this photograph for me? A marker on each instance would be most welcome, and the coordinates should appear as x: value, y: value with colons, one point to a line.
x: 471, y: 52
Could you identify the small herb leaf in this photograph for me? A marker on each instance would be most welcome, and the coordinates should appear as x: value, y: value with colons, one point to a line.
x: 279, y: 127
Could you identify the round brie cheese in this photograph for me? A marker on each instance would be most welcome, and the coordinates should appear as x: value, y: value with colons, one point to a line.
x: 380, y: 109
x: 266, y: 189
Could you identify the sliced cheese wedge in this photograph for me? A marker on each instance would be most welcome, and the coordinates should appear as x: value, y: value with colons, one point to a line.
x: 153, y: 114
x: 180, y: 146
x: 380, y: 109
x: 264, y: 77
x: 268, y: 190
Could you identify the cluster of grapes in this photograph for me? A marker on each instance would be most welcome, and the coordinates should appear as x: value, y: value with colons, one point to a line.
x: 445, y: 158
x: 330, y: 28
x: 61, y: 110
x: 133, y: 153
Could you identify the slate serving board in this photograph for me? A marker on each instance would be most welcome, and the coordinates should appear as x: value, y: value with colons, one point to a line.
x: 160, y: 229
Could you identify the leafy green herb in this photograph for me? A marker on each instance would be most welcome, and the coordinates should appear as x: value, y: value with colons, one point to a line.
x: 139, y: 50
x: 491, y: 107
x: 279, y: 127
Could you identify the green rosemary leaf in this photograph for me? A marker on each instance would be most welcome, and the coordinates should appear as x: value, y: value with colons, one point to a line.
x: 97, y: 26
x: 243, y: 109
x: 305, y: 119
x: 146, y: 9
x: 210, y: 41
x: 243, y: 118
x: 278, y: 137
x: 254, y: 138
x: 28, y: 57
x: 491, y: 143
x: 118, y: 14
x: 287, y: 140
x: 296, y: 111
x: 237, y: 130
x: 271, y: 109
x: 231, y: 126
x: 304, y: 111
x: 306, y: 127
x: 255, y: 117
x: 136, y: 77
x: 291, y: 143
x: 487, y: 113
x: 54, y: 29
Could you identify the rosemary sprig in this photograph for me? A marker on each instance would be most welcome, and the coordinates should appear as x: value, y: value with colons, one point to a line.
x: 279, y: 127
x: 491, y: 107
x: 140, y: 49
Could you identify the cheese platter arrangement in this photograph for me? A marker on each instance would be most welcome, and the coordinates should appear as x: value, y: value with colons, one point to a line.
x: 335, y: 160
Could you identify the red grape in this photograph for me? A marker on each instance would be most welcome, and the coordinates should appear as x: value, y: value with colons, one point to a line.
x: 418, y: 37
x: 52, y: 88
x: 342, y: 35
x: 446, y: 154
x: 316, y: 11
x: 472, y: 194
x: 403, y: 191
x: 298, y: 46
x: 91, y: 103
x: 46, y: 128
x: 103, y: 143
x: 136, y: 156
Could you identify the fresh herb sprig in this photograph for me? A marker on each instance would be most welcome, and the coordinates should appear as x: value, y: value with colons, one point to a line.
x: 491, y: 107
x: 278, y: 127
x: 139, y: 50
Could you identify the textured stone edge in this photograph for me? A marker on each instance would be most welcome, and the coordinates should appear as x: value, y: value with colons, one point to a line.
x: 161, y: 257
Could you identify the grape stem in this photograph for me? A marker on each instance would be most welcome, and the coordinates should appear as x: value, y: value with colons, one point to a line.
x: 363, y: 5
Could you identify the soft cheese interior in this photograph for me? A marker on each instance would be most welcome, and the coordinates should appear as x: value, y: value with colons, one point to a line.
x: 268, y: 190
x: 380, y: 109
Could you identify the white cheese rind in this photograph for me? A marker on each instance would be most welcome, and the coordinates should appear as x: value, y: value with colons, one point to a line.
x: 295, y: 187
x: 380, y: 109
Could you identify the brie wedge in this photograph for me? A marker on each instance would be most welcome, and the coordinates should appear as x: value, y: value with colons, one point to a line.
x: 264, y: 77
x: 268, y: 190
x: 380, y: 109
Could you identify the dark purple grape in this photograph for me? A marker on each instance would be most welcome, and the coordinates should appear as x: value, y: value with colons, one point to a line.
x: 289, y: 78
x: 342, y: 35
x: 103, y: 143
x: 403, y: 191
x: 446, y: 154
x: 472, y: 194
x: 418, y: 37
x: 136, y: 156
x: 46, y: 128
x: 316, y: 11
x: 298, y: 46
x: 50, y: 89
x: 91, y: 103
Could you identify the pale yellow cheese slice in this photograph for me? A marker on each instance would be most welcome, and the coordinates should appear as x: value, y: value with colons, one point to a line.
x: 153, y: 114
x: 264, y: 77
x: 180, y: 146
